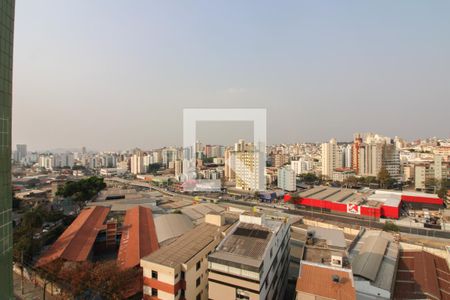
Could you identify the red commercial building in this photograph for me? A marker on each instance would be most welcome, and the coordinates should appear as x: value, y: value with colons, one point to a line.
x: 366, y: 203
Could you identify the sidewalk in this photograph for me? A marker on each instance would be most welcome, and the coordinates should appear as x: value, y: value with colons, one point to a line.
x: 30, y: 291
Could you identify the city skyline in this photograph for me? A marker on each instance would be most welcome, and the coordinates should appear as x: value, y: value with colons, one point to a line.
x: 134, y: 68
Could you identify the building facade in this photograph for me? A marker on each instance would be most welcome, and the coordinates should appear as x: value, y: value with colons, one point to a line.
x: 287, y: 179
x: 331, y: 158
x: 180, y: 269
x: 252, y: 261
x: 6, y: 61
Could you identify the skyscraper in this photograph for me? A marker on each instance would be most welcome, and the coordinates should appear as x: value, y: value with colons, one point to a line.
x: 6, y: 50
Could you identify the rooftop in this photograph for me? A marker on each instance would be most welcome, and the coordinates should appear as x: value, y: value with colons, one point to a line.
x: 186, y: 246
x: 325, y: 281
x: 138, y: 237
x: 422, y: 275
x: 247, y: 244
x: 374, y: 257
x: 170, y: 226
x: 77, y: 240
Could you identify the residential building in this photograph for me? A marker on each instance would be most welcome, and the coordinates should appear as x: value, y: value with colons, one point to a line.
x: 21, y: 152
x: 347, y: 158
x: 427, y: 172
x: 287, y: 179
x: 180, y: 269
x: 6, y: 62
x: 355, y: 152
x: 331, y: 158
x: 137, y: 163
x: 230, y: 164
x: 252, y: 261
x: 391, y: 160
x: 301, y: 166
x: 178, y: 166
x: 168, y: 155
x: 249, y: 173
x: 370, y: 159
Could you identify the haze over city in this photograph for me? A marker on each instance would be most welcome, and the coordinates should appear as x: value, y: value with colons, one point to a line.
x: 133, y: 68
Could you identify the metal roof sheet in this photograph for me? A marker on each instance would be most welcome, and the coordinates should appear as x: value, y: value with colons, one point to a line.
x: 77, y: 240
x: 367, y: 263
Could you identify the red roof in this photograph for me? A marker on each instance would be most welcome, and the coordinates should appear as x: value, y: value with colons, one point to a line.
x: 77, y: 240
x: 317, y: 280
x: 422, y: 275
x: 139, y: 237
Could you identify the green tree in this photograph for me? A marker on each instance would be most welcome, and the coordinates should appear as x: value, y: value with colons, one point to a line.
x: 384, y: 177
x: 390, y: 226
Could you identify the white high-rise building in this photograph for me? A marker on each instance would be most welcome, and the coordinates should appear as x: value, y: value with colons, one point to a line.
x: 250, y: 174
x: 137, y: 163
x: 370, y: 159
x: 331, y: 158
x: 287, y: 179
x: 347, y: 156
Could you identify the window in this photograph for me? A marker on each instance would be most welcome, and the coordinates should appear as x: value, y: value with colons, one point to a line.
x: 176, y: 276
x: 154, y: 275
x: 197, y: 282
x: 154, y: 292
x: 182, y: 274
x: 199, y: 296
x: 270, y: 253
x: 197, y: 267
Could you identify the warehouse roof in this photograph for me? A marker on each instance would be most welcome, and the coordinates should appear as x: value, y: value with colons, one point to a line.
x: 138, y: 237
x: 77, y: 240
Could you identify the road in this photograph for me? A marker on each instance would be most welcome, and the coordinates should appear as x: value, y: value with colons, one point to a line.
x: 31, y: 292
x: 315, y: 214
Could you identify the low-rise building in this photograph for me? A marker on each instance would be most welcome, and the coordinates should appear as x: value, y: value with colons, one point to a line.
x: 180, y: 269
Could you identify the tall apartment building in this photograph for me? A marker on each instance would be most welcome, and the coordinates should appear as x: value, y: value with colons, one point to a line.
x: 252, y: 261
x: 331, y: 158
x: 180, y: 269
x: 6, y: 62
x: 168, y: 155
x: 137, y: 163
x: 355, y: 152
x: 21, y: 152
x: 347, y: 157
x: 287, y: 179
x: 391, y: 160
x: 370, y: 159
x: 249, y: 173
x: 229, y: 165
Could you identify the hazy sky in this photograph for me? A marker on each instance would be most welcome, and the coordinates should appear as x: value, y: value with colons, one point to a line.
x: 117, y: 74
